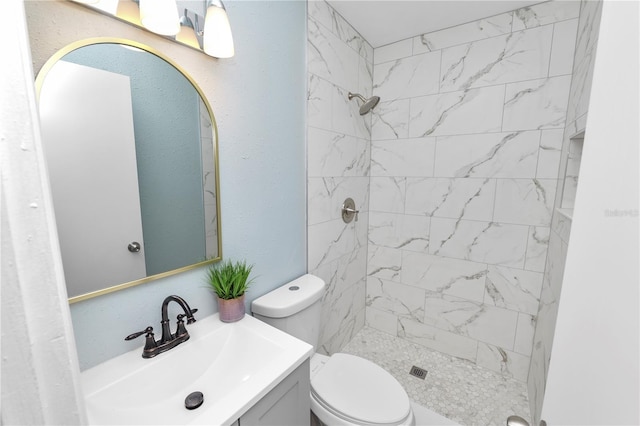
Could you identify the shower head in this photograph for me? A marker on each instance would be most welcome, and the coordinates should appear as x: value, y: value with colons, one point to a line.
x: 367, y: 104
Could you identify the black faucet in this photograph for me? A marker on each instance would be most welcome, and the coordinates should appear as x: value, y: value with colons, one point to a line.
x: 168, y: 340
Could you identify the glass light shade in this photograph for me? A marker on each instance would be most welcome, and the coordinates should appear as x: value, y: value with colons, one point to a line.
x: 129, y: 11
x: 187, y: 35
x: 218, y: 41
x: 160, y: 16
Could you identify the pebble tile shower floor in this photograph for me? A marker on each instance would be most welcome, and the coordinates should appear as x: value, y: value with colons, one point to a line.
x: 453, y: 388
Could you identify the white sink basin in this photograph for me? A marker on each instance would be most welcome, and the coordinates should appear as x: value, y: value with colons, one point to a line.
x: 233, y: 364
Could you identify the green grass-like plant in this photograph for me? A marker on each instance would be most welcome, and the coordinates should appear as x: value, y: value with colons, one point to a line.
x: 229, y: 279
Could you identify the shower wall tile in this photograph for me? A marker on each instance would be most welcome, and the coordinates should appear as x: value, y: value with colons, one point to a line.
x: 399, y: 231
x: 336, y: 154
x: 581, y: 88
x: 536, y: 104
x: 518, y: 56
x: 561, y: 225
x: 537, y: 245
x: 587, y: 37
x: 576, y: 126
x: 387, y: 194
x: 465, y: 33
x: 525, y: 201
x: 330, y: 58
x: 462, y: 112
x: 508, y: 363
x: 381, y: 320
x: 545, y: 323
x: 350, y: 327
x: 452, y: 277
x: 588, y: 27
x: 488, y: 185
x: 404, y: 157
x: 562, y: 50
x: 384, y: 263
x: 323, y: 14
x: 407, y: 77
x: 545, y: 13
x: 390, y: 120
x: 486, y: 242
x: 329, y: 240
x: 437, y: 339
x: 365, y: 77
x: 348, y: 35
x: 346, y: 117
x: 471, y: 199
x: 401, y: 300
x: 326, y: 195
x: 488, y: 155
x: 549, y: 154
x: 459, y: 198
x: 524, y: 334
x: 476, y: 320
x: 393, y: 51
x: 319, y: 97
x: 514, y: 289
x: 342, y: 308
x: 339, y: 60
x: 463, y: 152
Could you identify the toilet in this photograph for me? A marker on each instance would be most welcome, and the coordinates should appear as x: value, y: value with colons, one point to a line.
x: 345, y: 389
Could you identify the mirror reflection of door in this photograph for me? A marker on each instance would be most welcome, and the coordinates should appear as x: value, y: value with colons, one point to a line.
x: 91, y: 157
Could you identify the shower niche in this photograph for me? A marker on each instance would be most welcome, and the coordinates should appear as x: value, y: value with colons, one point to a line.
x: 573, y: 156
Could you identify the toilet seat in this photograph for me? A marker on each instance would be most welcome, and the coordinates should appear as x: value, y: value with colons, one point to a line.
x: 360, y: 392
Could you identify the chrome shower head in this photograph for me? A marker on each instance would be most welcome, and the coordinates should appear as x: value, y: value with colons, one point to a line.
x: 367, y: 104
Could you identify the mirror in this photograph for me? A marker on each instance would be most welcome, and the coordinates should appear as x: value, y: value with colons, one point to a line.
x: 131, y: 149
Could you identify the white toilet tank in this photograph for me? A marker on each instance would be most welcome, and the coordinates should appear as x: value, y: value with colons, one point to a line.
x: 294, y: 308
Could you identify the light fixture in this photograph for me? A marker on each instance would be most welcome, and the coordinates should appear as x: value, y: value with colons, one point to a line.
x: 218, y: 40
x: 211, y: 33
x: 129, y: 11
x: 160, y: 16
x: 187, y: 34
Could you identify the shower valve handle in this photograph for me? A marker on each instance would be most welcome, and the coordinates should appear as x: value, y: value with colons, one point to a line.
x: 352, y: 211
x: 349, y: 210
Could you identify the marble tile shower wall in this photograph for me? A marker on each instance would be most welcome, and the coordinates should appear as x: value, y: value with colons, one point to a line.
x: 587, y: 36
x: 466, y: 146
x: 339, y: 61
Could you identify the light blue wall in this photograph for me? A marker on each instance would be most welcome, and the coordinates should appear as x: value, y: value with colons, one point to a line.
x: 259, y: 105
x: 168, y: 153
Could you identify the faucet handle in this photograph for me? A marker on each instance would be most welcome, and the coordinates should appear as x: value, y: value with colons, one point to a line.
x: 148, y: 331
x: 180, y: 328
x: 149, y: 343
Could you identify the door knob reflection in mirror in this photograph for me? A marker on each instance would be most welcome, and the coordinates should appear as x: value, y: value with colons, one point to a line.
x: 134, y: 247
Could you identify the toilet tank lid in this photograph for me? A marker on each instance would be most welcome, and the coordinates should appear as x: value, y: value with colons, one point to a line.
x: 290, y: 298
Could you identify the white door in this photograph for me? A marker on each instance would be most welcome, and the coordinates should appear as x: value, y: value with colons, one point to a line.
x: 594, y: 373
x: 87, y: 130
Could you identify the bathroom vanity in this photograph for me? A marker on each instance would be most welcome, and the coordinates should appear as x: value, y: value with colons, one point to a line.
x: 247, y: 371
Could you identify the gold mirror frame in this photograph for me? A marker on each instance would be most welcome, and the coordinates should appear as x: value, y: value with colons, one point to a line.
x: 111, y: 40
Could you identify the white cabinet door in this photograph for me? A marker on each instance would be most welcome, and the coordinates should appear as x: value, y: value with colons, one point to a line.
x: 288, y: 404
x: 87, y: 130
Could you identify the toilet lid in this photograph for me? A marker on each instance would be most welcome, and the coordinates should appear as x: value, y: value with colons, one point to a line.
x: 361, y: 390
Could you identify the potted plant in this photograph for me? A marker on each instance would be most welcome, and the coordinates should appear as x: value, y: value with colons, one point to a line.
x: 230, y: 281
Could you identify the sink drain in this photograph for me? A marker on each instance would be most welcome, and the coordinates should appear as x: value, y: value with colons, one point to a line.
x: 193, y: 400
